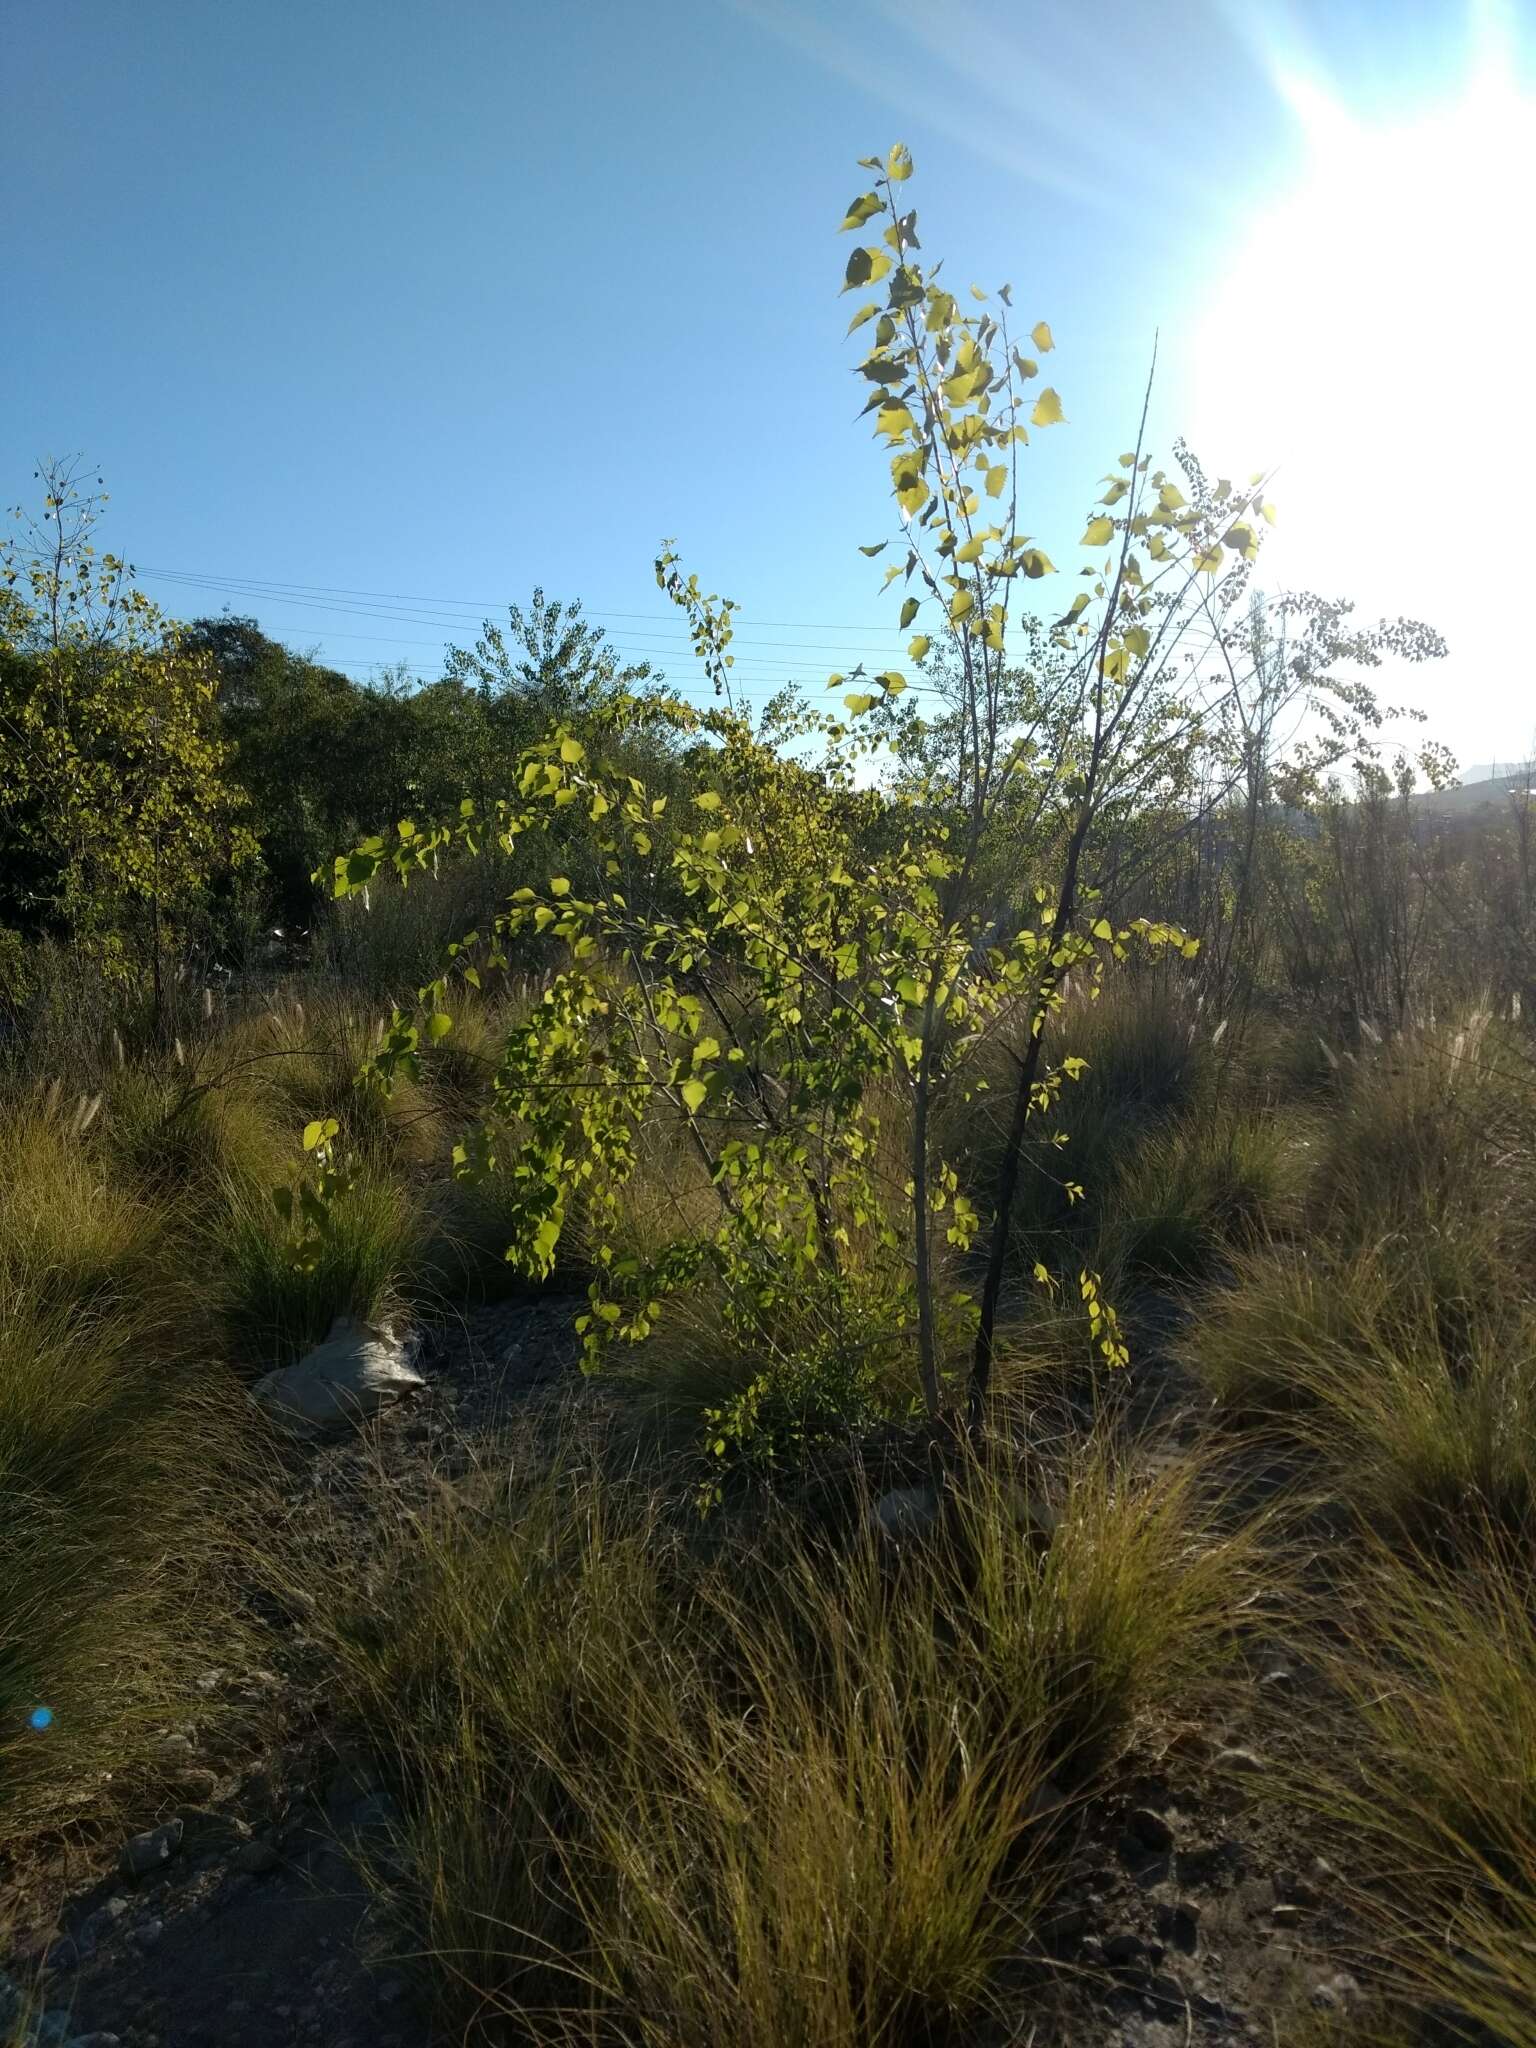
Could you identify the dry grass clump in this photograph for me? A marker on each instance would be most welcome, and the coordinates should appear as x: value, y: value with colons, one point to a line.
x: 1437, y: 1796
x: 1395, y: 1336
x: 762, y: 1787
x: 120, y: 1453
x: 1195, y: 1189
x: 376, y: 1256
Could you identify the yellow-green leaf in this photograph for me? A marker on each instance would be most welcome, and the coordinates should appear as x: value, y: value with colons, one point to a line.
x: 1100, y: 533
x: 1040, y: 335
x: 898, y: 165
x: 959, y: 605
x: 968, y: 550
x: 865, y: 266
x: 1047, y: 412
x: 997, y: 477
x: 694, y: 1093
x: 908, y: 612
x: 862, y: 209
x: 917, y: 646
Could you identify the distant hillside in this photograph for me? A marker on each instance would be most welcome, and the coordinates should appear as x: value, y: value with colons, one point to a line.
x: 1467, y: 799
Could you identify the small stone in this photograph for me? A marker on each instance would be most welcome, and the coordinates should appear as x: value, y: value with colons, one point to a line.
x: 1335, y: 1992
x: 96, y: 2040
x: 375, y: 1815
x: 176, y: 1745
x: 1124, y: 1947
x: 1167, y: 1993
x: 1208, y: 2008
x: 1178, y: 1921
x: 207, y: 1826
x: 1203, y: 1862
x: 347, y: 1788
x: 906, y: 1514
x: 71, y: 1952
x: 147, y: 1933
x: 1091, y: 1949
x: 1286, y: 1916
x: 1239, y: 1760
x: 1047, y: 1798
x: 1063, y: 1928
x: 151, y: 1850
x: 1150, y: 1828
x: 257, y: 1858
x: 198, y: 1782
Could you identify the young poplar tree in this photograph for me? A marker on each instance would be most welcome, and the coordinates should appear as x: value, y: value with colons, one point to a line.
x: 775, y: 961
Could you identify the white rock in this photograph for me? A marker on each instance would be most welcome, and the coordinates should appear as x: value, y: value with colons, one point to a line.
x: 358, y: 1370
x: 906, y: 1513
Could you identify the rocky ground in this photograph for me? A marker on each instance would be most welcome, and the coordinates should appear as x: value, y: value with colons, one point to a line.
x: 1193, y: 1910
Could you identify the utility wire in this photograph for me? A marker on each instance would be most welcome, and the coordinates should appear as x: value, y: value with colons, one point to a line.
x: 811, y: 669
x: 477, y: 605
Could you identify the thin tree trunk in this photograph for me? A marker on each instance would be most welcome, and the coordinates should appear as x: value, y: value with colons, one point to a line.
x: 1008, y: 1171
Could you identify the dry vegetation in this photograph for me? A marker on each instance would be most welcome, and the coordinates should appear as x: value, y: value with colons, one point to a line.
x: 763, y: 1776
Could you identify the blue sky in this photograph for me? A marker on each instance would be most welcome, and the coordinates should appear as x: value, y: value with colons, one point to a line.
x: 449, y: 300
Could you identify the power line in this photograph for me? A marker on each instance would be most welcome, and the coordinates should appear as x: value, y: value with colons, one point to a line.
x: 812, y: 668
x: 479, y: 606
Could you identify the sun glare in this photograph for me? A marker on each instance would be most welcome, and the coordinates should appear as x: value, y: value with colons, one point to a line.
x: 1372, y: 343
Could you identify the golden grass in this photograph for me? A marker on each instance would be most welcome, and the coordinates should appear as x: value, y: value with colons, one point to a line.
x: 759, y: 1787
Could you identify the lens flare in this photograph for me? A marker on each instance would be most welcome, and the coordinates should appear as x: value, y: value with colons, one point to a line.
x: 1371, y: 342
